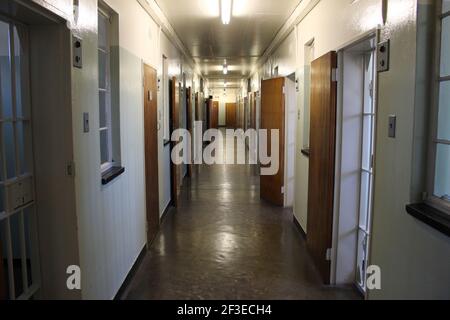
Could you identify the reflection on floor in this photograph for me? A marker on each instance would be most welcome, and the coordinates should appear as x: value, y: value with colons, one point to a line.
x: 223, y: 242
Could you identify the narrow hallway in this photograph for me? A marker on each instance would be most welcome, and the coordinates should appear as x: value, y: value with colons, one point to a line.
x: 223, y: 242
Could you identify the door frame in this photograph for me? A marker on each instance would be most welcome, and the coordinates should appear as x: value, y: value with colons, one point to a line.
x: 367, y: 36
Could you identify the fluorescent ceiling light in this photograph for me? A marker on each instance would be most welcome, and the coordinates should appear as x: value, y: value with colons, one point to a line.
x: 225, y: 10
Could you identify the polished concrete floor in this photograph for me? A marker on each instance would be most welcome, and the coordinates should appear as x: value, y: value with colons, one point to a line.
x: 223, y: 242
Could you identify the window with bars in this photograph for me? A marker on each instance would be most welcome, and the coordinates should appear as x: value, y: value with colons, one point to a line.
x: 439, y: 189
x: 108, y: 90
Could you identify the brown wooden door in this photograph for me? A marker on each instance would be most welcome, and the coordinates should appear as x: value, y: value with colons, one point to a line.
x: 151, y: 151
x: 175, y: 170
x: 215, y: 115
x: 272, y: 117
x: 231, y: 115
x: 322, y: 161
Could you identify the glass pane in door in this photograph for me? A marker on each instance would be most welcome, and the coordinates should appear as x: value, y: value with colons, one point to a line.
x: 5, y: 72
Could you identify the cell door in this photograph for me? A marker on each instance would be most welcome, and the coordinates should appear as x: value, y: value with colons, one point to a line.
x: 322, y: 162
x: 272, y: 118
x: 19, y: 260
x: 151, y: 152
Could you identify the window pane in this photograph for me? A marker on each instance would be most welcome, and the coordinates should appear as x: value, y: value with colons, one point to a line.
x: 367, y: 143
x: 444, y: 111
x: 102, y: 110
x: 364, y: 199
x: 22, y: 91
x: 16, y: 229
x: 445, y: 6
x: 102, y: 32
x: 442, y: 175
x: 5, y: 71
x: 23, y: 132
x: 2, y: 199
x: 445, y: 47
x: 102, y: 58
x: 10, y: 152
x: 104, y: 146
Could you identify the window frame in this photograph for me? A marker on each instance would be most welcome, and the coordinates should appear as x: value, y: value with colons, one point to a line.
x: 434, y: 141
x: 104, y: 167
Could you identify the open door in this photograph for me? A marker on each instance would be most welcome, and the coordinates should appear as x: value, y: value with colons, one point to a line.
x: 175, y: 170
x: 230, y: 115
x: 272, y: 117
x: 151, y: 152
x: 322, y: 162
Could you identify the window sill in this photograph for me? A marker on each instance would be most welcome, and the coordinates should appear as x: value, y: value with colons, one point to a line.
x: 431, y: 216
x: 306, y: 152
x: 111, y: 174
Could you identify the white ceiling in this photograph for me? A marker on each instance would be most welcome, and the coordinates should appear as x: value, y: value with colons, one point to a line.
x: 253, y: 26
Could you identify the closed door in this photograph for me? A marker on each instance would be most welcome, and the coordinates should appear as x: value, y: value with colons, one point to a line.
x: 215, y: 115
x: 322, y: 162
x: 272, y: 118
x: 231, y: 115
x: 151, y: 152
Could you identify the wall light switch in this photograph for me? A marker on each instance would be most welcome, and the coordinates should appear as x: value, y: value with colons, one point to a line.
x: 392, y: 126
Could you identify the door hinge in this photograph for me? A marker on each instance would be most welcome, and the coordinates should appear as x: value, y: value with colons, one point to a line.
x: 328, y: 255
x: 282, y: 190
x: 70, y: 169
x: 334, y: 74
x: 284, y: 90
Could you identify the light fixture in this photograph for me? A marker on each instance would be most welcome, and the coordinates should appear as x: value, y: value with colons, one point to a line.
x: 225, y: 9
x: 225, y: 69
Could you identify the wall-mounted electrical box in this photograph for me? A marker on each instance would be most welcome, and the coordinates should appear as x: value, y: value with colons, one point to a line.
x: 383, y: 52
x: 77, y: 47
x: 19, y: 193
